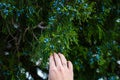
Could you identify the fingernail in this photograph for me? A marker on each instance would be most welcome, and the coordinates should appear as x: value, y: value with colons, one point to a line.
x: 59, y: 53
x: 54, y: 53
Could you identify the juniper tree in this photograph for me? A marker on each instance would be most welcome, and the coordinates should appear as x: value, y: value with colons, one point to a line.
x: 85, y: 31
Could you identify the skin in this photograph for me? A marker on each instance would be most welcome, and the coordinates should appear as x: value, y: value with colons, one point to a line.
x: 60, y: 68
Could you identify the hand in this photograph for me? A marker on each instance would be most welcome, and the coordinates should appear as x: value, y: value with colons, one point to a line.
x: 60, y: 68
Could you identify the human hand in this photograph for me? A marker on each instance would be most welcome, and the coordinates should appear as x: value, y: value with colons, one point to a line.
x: 60, y: 68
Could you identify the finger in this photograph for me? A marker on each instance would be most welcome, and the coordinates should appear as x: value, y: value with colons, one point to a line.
x: 70, y: 66
x: 57, y: 60
x: 52, y: 62
x: 63, y: 59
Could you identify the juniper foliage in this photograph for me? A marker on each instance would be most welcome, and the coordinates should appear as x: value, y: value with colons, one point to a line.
x: 85, y: 31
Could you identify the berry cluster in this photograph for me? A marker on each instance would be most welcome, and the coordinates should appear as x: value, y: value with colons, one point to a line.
x: 7, y: 9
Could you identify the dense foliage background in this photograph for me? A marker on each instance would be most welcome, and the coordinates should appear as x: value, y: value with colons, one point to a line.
x: 85, y: 31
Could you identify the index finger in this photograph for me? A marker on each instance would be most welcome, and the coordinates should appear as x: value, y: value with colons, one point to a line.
x: 52, y: 62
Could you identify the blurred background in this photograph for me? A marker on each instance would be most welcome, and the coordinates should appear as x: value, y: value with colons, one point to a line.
x: 87, y: 32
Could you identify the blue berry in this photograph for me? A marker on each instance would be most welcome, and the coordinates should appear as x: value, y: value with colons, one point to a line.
x: 52, y: 46
x: 46, y: 40
x: 58, y: 9
x: 5, y: 11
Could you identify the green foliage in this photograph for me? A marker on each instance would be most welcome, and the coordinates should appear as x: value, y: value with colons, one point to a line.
x: 85, y: 31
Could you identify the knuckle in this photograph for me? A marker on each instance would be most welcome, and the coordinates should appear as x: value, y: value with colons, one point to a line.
x: 61, y: 54
x: 60, y: 69
x: 52, y: 69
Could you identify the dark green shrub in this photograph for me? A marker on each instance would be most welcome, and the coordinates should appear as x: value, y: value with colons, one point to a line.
x: 85, y: 31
